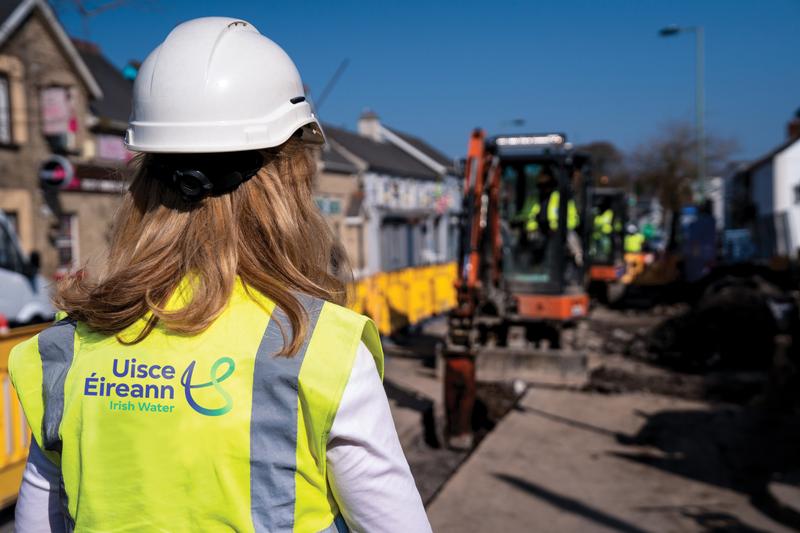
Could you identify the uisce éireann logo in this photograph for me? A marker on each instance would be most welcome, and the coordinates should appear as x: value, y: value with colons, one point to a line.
x: 145, y: 382
x: 186, y: 381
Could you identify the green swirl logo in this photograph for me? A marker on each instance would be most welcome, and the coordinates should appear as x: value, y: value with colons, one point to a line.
x: 216, y: 378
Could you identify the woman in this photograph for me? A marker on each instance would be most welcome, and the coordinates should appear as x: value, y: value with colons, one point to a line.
x: 210, y: 380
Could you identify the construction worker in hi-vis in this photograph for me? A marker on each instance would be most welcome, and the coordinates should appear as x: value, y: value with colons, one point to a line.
x: 634, y: 240
x: 547, y: 220
x: 208, y: 379
x: 544, y: 222
x: 604, y: 225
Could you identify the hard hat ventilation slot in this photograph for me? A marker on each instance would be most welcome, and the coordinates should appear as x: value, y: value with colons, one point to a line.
x: 298, y: 99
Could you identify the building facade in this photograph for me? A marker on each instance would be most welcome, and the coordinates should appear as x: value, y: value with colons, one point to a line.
x: 763, y: 197
x: 405, y: 211
x: 61, y: 151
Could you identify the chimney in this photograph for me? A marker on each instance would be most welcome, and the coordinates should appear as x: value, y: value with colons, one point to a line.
x: 793, y: 128
x: 369, y: 125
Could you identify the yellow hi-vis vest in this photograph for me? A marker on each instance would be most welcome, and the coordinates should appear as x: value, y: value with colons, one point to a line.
x: 552, y: 213
x: 604, y: 222
x: 208, y: 432
x: 633, y: 243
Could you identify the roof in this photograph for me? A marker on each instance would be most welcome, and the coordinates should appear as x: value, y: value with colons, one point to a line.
x: 384, y: 158
x: 334, y: 161
x: 427, y: 149
x: 767, y: 157
x: 117, y: 91
x: 7, y: 7
x: 15, y: 12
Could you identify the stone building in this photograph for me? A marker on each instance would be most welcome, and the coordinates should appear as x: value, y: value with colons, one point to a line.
x: 63, y: 109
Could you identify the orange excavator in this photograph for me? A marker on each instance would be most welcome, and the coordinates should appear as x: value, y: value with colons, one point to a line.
x: 522, y: 260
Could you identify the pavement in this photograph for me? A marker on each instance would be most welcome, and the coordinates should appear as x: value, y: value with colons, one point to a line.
x: 575, y: 461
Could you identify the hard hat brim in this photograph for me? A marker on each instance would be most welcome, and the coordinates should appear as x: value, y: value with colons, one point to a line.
x: 205, y: 138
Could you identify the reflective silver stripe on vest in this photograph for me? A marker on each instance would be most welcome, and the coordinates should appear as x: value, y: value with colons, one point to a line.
x: 273, y: 423
x: 56, y: 348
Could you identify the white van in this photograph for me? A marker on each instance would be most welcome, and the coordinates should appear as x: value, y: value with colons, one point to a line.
x: 24, y: 293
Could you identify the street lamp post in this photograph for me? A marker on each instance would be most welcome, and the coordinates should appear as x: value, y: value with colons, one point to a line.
x: 699, y: 98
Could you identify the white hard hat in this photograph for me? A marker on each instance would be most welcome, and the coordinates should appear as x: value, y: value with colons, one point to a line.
x: 217, y: 85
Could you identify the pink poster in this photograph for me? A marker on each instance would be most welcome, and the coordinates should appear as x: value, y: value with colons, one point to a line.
x: 57, y: 114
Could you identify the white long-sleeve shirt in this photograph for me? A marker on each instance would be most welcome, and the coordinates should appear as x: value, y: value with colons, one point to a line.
x: 367, y: 471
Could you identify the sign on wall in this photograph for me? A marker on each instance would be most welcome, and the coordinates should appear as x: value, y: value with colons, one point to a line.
x: 56, y: 171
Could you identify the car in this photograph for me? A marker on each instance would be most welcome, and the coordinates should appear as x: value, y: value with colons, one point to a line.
x: 24, y: 292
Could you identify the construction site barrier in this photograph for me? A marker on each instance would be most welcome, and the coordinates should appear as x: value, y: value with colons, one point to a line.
x: 406, y: 297
x: 15, y: 435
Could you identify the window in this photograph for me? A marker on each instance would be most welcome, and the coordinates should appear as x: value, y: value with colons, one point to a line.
x: 328, y: 206
x: 67, y: 242
x: 5, y: 110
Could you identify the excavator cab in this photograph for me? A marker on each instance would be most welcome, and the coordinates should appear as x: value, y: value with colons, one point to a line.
x: 543, y: 251
x: 607, y: 222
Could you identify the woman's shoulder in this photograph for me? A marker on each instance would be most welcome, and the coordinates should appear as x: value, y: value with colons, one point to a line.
x: 61, y: 332
x: 338, y: 320
x: 345, y: 311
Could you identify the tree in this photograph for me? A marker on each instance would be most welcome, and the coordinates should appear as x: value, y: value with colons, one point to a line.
x: 666, y: 166
x: 608, y: 163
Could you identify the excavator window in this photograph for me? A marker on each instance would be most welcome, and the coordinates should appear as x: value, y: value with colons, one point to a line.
x: 534, y: 250
x: 530, y: 242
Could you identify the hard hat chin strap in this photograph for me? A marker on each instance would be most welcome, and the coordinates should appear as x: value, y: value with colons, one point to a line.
x: 195, y: 176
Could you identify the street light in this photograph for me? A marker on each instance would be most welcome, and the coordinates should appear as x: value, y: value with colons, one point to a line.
x: 669, y: 31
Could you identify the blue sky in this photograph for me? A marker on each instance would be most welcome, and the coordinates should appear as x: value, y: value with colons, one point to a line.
x: 594, y: 69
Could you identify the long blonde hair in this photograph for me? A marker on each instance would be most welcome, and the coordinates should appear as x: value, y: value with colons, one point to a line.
x: 268, y: 231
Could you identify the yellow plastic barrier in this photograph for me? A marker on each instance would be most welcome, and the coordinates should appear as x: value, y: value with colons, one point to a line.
x: 405, y: 297
x: 15, y: 436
